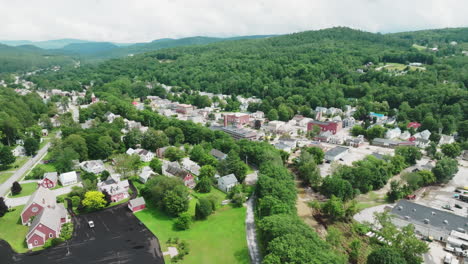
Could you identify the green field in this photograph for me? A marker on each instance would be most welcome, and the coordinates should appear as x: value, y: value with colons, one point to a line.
x: 28, y: 189
x: 219, y: 239
x: 12, y: 231
x: 419, y: 47
x: 20, y: 161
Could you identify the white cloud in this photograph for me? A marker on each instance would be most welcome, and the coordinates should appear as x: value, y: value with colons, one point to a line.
x: 145, y: 20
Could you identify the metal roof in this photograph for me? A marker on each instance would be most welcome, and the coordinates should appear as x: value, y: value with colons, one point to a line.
x: 423, y: 215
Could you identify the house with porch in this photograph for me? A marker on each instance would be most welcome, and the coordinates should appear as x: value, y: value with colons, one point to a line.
x: 49, y: 180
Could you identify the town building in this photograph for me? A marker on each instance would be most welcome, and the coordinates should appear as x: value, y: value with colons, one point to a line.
x: 349, y: 121
x: 46, y: 225
x: 173, y: 169
x: 332, y: 126
x: 137, y: 204
x: 226, y: 183
x: 40, y: 199
x: 429, y: 222
x: 49, y: 180
x: 118, y: 190
x: 237, y: 133
x: 145, y: 155
x: 93, y: 166
x: 389, y: 143
x: 393, y: 133
x: 236, y: 119
x: 190, y: 166
x: 336, y: 153
x: 414, y: 125
x: 184, y: 109
x: 68, y: 178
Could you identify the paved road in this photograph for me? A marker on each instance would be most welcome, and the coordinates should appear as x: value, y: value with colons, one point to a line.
x: 5, y: 187
x: 252, y: 242
x: 13, y: 202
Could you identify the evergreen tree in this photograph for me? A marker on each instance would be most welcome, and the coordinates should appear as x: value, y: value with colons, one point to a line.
x: 16, y: 188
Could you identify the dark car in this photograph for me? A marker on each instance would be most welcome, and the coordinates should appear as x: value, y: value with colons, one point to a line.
x: 458, y: 206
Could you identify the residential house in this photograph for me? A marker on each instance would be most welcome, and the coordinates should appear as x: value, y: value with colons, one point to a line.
x: 428, y: 221
x: 49, y: 180
x: 284, y: 147
x: 257, y: 115
x: 393, y: 133
x: 349, y: 121
x: 218, y: 154
x: 87, y: 124
x: 391, y: 143
x: 422, y: 143
x: 18, y: 151
x: 405, y: 135
x: 93, y: 166
x: 336, y: 153
x: 173, y: 169
x: 190, y: 166
x: 137, y: 204
x: 378, y: 117
x: 184, y: 109
x: 40, y: 199
x: 160, y: 152
x: 414, y: 125
x: 68, y: 178
x: 145, y: 174
x: 118, y: 190
x: 145, y: 155
x: 46, y: 225
x: 45, y: 132
x: 275, y: 126
x: 355, y: 141
x: 226, y: 183
x: 444, y: 139
x: 424, y: 134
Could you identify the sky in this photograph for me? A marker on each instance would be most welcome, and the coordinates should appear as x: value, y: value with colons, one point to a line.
x: 146, y: 20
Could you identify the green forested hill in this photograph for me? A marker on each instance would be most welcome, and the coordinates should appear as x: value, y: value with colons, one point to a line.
x: 297, y: 72
x: 27, y: 57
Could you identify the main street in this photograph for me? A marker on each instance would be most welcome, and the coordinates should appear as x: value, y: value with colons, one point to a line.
x: 5, y: 187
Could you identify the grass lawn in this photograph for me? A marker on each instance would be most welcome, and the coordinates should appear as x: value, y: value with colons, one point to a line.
x: 419, y: 47
x: 20, y: 161
x: 28, y: 189
x: 219, y: 239
x: 4, y: 176
x: 370, y: 199
x: 12, y: 231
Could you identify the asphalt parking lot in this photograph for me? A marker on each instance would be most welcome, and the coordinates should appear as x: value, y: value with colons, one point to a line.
x: 116, y: 238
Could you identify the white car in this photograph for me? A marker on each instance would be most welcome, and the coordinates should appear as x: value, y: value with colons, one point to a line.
x: 91, y: 224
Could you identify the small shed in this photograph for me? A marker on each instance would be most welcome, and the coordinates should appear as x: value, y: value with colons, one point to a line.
x: 137, y: 204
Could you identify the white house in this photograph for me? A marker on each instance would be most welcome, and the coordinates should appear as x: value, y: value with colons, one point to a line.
x: 393, y: 133
x: 405, y: 135
x: 19, y: 151
x: 146, y: 173
x: 226, y: 183
x: 93, y: 166
x: 68, y: 178
x: 444, y: 139
x: 424, y: 134
x: 145, y: 155
x: 190, y: 165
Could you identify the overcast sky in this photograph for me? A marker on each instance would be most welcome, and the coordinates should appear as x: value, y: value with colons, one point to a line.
x: 146, y: 20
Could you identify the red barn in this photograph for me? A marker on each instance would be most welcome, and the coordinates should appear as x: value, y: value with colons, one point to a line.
x: 42, y: 198
x: 332, y: 126
x: 50, y: 180
x: 137, y: 204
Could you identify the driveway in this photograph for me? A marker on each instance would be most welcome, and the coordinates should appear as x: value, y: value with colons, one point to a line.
x: 13, y: 202
x: 5, y: 187
x: 116, y: 238
x: 252, y: 242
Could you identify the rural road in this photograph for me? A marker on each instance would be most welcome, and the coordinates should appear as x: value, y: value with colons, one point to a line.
x: 13, y: 202
x: 5, y: 187
x: 251, y: 233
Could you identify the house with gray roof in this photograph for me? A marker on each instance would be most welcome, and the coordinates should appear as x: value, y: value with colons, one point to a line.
x: 226, y: 183
x: 428, y: 221
x: 218, y: 154
x: 336, y: 153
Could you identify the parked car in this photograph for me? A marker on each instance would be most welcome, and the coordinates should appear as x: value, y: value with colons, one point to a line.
x: 458, y: 206
x: 91, y: 224
x: 448, y: 259
x: 447, y: 207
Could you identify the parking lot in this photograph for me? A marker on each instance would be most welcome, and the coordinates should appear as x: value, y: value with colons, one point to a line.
x: 117, y: 237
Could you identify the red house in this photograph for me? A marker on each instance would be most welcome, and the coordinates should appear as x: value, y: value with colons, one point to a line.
x: 189, y: 181
x: 42, y: 198
x: 414, y: 125
x: 332, y: 126
x: 46, y: 225
x: 137, y: 204
x: 50, y: 180
x: 118, y: 190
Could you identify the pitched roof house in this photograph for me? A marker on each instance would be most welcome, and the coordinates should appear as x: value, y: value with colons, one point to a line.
x: 46, y: 225
x: 49, y: 180
x: 146, y: 173
x: 118, y: 190
x: 93, y: 166
x: 218, y: 154
x: 137, y: 204
x: 173, y: 169
x: 226, y: 183
x: 145, y: 155
x: 68, y: 178
x: 40, y: 199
